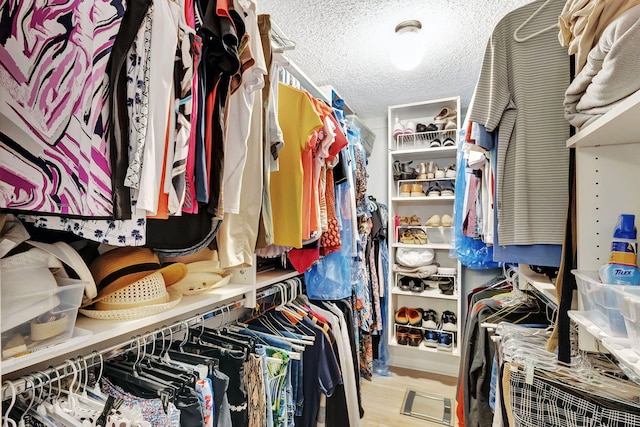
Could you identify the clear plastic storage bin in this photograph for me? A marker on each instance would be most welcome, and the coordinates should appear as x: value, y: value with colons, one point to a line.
x: 48, y: 318
x: 439, y: 234
x: 605, y: 303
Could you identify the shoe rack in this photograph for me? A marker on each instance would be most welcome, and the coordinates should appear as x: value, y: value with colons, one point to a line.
x: 421, y: 162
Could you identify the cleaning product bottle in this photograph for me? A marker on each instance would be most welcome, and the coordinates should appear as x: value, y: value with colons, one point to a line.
x: 621, y: 268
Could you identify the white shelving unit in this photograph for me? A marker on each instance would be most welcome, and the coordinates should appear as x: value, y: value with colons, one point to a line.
x: 607, y: 161
x: 95, y: 335
x: 416, y: 148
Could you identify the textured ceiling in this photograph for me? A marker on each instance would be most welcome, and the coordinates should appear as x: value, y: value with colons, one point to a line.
x: 346, y: 44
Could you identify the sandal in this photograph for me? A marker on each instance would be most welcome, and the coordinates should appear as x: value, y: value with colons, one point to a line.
x: 414, y: 337
x: 407, y: 237
x: 435, y: 143
x: 401, y: 316
x: 405, y: 283
x: 448, y: 142
x: 420, y: 238
x: 397, y: 170
x: 415, y: 316
x: 447, y: 188
x: 414, y: 220
x: 402, y: 335
x: 416, y: 190
x: 417, y: 285
x: 404, y: 220
x: 434, y: 189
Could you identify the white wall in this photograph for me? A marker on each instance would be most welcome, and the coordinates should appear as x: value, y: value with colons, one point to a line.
x: 377, y: 185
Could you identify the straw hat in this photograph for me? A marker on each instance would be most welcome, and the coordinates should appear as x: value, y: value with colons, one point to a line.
x: 144, y: 297
x: 122, y: 267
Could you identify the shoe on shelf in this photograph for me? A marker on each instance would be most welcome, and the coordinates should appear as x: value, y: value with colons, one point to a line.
x: 405, y: 283
x: 446, y: 118
x: 447, y: 188
x: 410, y: 220
x: 402, y: 335
x: 446, y: 285
x: 434, y: 221
x: 435, y: 143
x: 421, y: 128
x: 448, y: 142
x: 446, y: 221
x: 445, y: 341
x: 415, y: 314
x: 398, y: 129
x: 449, y: 321
x: 450, y: 124
x: 440, y: 173
x: 408, y: 238
x: 416, y: 190
x: 401, y: 316
x: 420, y: 238
x: 410, y: 128
x: 433, y: 190
x: 397, y: 170
x: 430, y: 319
x: 407, y: 171
x: 405, y: 190
x: 431, y: 338
x: 415, y: 337
x: 451, y: 172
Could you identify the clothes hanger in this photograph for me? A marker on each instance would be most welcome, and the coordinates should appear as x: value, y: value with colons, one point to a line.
x: 519, y: 39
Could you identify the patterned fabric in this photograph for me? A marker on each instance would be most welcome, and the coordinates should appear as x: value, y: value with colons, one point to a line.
x: 54, y: 155
x: 360, y: 280
x: 366, y: 355
x: 152, y: 409
x: 205, y: 394
x: 330, y: 241
x: 256, y: 394
x: 543, y: 404
x: 277, y: 362
x: 130, y: 232
x: 375, y: 289
x: 138, y: 97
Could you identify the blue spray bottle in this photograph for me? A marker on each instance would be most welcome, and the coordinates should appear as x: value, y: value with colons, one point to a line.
x: 622, y: 268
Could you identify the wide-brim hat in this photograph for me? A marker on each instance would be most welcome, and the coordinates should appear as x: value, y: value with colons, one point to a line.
x: 69, y: 256
x: 202, y: 278
x: 142, y: 298
x: 121, y: 267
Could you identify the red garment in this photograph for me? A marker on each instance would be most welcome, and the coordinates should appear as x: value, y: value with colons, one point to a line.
x: 302, y: 259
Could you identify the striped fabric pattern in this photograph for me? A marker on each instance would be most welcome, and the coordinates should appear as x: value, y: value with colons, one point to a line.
x: 520, y: 94
x: 53, y: 115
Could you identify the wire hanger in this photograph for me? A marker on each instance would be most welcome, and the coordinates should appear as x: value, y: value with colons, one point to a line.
x: 519, y: 39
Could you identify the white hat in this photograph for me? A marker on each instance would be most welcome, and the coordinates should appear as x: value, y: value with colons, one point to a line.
x: 68, y: 255
x: 144, y: 297
x: 202, y: 276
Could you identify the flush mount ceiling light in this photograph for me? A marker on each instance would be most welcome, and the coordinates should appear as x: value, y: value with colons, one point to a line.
x: 407, y: 49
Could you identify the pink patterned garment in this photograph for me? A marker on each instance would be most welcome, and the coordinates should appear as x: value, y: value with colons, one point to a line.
x: 54, y: 156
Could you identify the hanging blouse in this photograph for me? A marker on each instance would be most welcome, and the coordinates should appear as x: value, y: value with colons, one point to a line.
x: 54, y: 156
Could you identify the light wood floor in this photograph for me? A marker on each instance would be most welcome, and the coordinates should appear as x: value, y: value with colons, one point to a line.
x: 382, y: 397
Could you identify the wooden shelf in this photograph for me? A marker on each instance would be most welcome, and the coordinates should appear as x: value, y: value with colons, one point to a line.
x: 423, y: 153
x: 618, y: 126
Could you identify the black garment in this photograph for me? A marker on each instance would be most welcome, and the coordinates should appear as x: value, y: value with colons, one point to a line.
x: 190, y: 409
x: 184, y: 233
x: 232, y: 365
x: 340, y: 170
x: 119, y: 135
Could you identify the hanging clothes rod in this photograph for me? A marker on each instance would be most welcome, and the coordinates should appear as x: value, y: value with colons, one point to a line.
x: 21, y: 384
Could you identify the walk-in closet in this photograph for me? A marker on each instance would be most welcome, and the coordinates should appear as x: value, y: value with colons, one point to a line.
x: 277, y: 213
